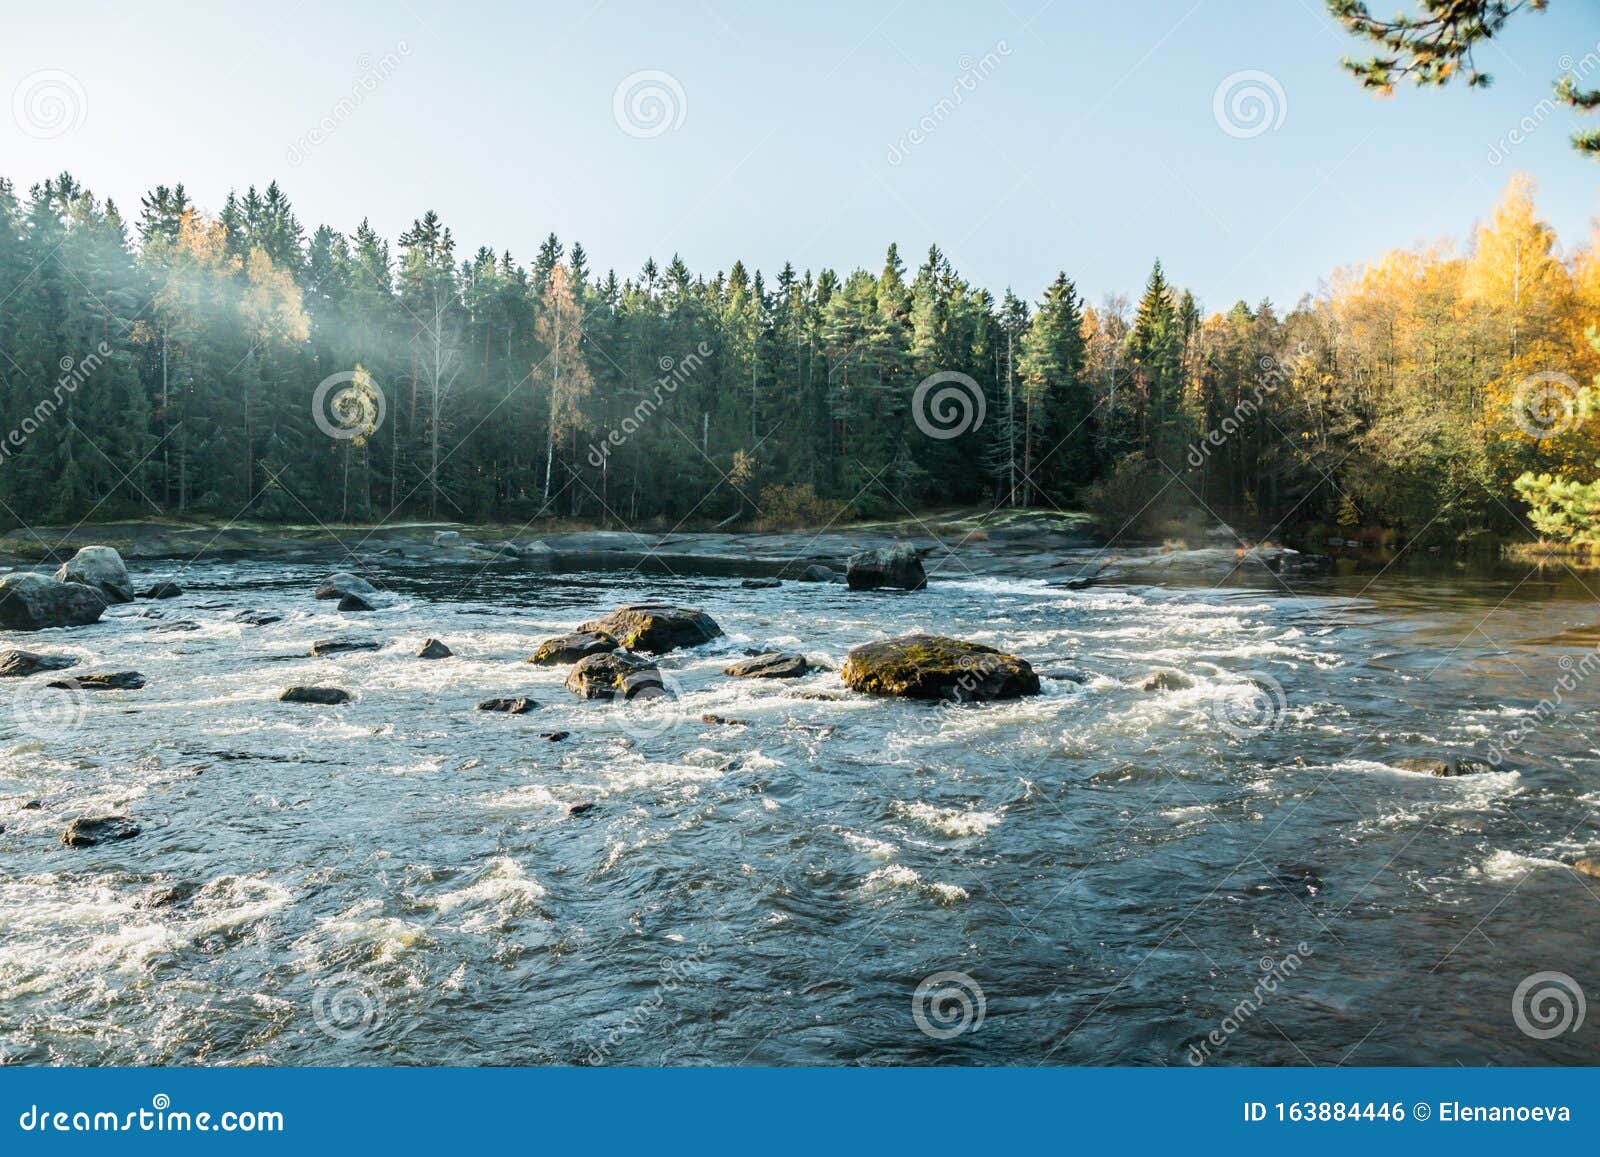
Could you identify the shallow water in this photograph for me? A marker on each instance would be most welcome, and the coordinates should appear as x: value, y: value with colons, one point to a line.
x: 398, y: 880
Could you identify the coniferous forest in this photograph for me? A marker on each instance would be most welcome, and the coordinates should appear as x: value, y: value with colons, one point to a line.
x: 178, y: 362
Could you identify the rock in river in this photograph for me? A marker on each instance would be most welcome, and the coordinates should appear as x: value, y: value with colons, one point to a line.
x: 1588, y: 866
x: 161, y: 590
x: 518, y: 705
x: 817, y: 573
x: 434, y: 649
x: 892, y: 566
x: 773, y: 665
x: 655, y: 628
x: 571, y: 648
x: 1443, y: 768
x: 338, y: 646
x: 612, y: 675
x: 18, y: 663
x: 329, y: 696
x: 342, y: 583
x: 101, y: 568
x: 761, y: 584
x: 33, y: 602
x: 1166, y: 681
x: 86, y: 832
x: 103, y: 681
x: 935, y: 667
x: 354, y: 603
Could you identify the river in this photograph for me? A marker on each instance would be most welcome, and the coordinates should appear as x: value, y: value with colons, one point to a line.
x: 1232, y: 871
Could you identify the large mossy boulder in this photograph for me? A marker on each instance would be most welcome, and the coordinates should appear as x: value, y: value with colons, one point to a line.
x: 571, y: 648
x: 34, y: 602
x: 891, y: 566
x: 613, y: 675
x: 936, y: 667
x: 655, y: 628
x: 100, y: 568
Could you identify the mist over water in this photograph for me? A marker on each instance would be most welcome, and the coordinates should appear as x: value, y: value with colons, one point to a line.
x: 399, y: 880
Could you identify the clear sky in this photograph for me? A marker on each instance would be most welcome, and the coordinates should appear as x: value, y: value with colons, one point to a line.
x: 1088, y: 136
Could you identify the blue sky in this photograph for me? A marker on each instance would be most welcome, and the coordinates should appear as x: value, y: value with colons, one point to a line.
x: 1090, y: 143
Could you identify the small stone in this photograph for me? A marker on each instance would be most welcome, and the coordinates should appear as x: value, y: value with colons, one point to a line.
x: 519, y: 705
x: 103, y: 681
x: 328, y: 696
x: 709, y: 717
x: 579, y: 809
x: 257, y: 618
x: 817, y: 573
x: 339, y: 646
x: 33, y: 805
x: 15, y: 664
x: 434, y: 649
x: 772, y: 665
x: 761, y: 584
x: 354, y: 602
x: 554, y: 736
x: 87, y: 832
x: 1167, y: 681
x: 342, y: 583
x: 161, y: 590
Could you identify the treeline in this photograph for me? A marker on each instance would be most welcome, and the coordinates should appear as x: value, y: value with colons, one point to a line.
x: 233, y: 367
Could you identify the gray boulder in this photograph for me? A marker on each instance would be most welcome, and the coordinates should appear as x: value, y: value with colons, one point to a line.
x: 88, y: 831
x: 342, y: 583
x: 101, y: 568
x: 33, y: 602
x: 614, y: 675
x: 891, y: 566
x: 773, y: 665
x: 15, y: 664
x: 328, y: 696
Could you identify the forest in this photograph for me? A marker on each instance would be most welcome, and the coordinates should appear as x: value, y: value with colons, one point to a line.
x: 230, y: 366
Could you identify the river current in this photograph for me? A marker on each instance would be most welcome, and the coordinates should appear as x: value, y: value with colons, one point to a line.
x: 1228, y: 869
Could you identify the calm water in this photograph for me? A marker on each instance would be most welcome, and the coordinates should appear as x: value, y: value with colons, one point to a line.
x: 398, y: 880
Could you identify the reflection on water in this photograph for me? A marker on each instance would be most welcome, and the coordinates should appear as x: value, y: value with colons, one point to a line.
x: 400, y: 880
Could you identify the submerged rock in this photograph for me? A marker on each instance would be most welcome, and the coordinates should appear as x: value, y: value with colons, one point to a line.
x: 1588, y: 866
x: 1443, y: 768
x: 88, y: 831
x: 936, y: 667
x: 354, y: 603
x: 761, y: 584
x: 35, y: 602
x: 891, y: 566
x: 571, y: 648
x: 258, y: 618
x: 342, y: 583
x: 773, y: 665
x: 101, y: 568
x: 817, y: 573
x: 161, y: 590
x: 655, y: 628
x: 15, y: 664
x: 339, y: 646
x: 1166, y: 681
x: 582, y: 807
x: 612, y: 675
x: 554, y: 736
x: 447, y: 538
x: 434, y: 649
x: 519, y: 705
x: 723, y: 720
x: 103, y: 681
x: 328, y: 696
